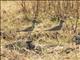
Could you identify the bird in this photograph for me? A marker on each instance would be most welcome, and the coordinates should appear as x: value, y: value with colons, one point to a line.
x: 29, y: 30
x: 56, y: 28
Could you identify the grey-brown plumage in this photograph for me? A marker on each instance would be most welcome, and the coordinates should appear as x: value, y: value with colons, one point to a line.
x: 31, y: 27
x: 58, y: 27
x: 28, y: 29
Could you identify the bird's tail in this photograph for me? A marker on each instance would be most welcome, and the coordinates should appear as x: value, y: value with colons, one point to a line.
x: 19, y: 30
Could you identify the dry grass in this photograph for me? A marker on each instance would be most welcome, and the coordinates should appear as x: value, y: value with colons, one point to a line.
x: 12, y: 21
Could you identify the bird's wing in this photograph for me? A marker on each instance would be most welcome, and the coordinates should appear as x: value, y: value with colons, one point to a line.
x: 53, y: 28
x: 28, y: 29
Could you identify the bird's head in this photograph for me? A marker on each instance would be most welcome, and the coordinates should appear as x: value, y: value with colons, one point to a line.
x: 35, y: 22
x: 61, y: 21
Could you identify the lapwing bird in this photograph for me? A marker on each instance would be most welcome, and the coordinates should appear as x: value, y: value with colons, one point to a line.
x: 29, y: 44
x: 55, y: 28
x: 30, y: 29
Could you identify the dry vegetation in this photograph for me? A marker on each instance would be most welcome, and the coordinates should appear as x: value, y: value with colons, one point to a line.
x: 18, y: 15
